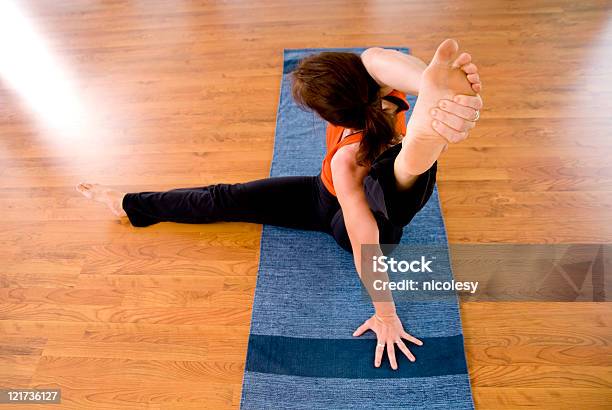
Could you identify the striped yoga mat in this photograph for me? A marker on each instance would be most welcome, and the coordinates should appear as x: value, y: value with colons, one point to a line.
x: 308, y: 302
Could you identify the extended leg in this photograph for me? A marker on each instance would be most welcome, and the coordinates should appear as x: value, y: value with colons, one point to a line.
x: 284, y: 201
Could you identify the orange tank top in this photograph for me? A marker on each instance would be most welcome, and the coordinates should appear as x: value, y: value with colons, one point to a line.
x: 334, y: 140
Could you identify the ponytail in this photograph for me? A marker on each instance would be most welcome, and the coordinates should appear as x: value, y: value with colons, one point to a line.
x: 338, y: 87
x: 378, y: 132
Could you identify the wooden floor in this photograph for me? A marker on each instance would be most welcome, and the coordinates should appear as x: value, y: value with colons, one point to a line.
x: 154, y: 94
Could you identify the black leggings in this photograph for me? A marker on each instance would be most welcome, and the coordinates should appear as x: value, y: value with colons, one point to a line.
x: 294, y: 202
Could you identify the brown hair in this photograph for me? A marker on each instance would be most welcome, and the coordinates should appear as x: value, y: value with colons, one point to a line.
x: 338, y: 87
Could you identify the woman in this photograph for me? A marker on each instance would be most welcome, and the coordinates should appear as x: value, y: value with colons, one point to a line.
x: 378, y: 171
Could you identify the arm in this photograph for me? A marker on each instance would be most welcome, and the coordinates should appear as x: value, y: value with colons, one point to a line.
x: 360, y: 223
x: 362, y: 229
x: 394, y: 70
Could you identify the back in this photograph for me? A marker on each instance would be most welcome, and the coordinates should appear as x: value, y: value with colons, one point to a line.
x: 334, y: 140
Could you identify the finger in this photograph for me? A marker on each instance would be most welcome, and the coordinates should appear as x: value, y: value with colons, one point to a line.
x: 380, y: 348
x: 474, y: 102
x: 362, y: 329
x: 467, y: 113
x: 455, y: 122
x: 451, y: 135
x: 462, y: 60
x: 391, y: 354
x: 412, y: 339
x: 470, y: 68
x: 474, y: 78
x: 477, y: 87
x: 405, y: 350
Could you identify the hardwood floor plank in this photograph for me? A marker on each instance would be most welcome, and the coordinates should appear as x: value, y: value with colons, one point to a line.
x: 542, y: 398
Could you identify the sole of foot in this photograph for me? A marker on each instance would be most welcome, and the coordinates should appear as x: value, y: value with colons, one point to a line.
x: 440, y: 80
x: 111, y: 198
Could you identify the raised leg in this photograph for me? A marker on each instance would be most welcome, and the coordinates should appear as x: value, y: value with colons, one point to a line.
x: 422, y: 146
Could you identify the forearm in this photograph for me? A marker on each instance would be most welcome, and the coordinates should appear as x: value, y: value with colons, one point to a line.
x: 382, y: 300
x: 394, y: 69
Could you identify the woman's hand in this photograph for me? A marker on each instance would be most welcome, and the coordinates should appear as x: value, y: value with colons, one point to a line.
x: 389, y: 332
x: 458, y: 116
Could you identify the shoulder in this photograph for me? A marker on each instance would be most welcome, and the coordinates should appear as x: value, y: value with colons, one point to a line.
x: 344, y: 167
x: 345, y: 158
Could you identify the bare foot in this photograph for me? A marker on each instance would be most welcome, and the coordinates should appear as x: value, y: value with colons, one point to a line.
x: 110, y: 197
x: 442, y: 79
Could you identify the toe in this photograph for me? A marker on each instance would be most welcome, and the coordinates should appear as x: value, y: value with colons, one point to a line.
x: 473, y: 78
x: 462, y: 60
x: 85, y: 190
x: 470, y: 68
x: 445, y: 52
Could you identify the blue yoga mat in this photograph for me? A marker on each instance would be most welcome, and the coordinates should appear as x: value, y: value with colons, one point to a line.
x: 308, y: 301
